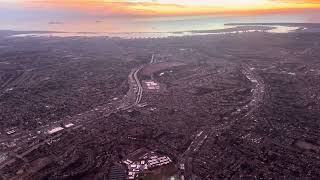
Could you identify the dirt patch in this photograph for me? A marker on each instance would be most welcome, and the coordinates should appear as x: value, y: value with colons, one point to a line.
x: 34, y: 167
x: 307, y: 145
x: 153, y: 68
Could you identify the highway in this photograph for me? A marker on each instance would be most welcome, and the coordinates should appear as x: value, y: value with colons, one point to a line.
x: 153, y: 60
x: 185, y: 157
x: 130, y: 100
x: 136, y: 88
x: 140, y: 89
x: 25, y: 153
x: 198, y: 141
x: 258, y: 92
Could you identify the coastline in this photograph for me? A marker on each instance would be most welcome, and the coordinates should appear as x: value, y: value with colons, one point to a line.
x: 229, y: 28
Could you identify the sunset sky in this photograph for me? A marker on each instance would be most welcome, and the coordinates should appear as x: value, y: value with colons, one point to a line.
x: 156, y: 15
x: 158, y: 7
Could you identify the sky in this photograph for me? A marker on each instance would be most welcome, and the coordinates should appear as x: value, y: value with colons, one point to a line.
x: 157, y: 7
x: 117, y: 15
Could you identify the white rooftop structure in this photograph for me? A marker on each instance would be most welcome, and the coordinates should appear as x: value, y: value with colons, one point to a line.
x: 54, y: 130
x: 145, y: 162
x: 69, y: 125
x: 11, y: 132
x: 152, y: 85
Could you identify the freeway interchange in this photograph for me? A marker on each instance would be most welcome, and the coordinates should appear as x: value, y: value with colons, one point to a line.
x: 130, y: 100
x: 238, y: 106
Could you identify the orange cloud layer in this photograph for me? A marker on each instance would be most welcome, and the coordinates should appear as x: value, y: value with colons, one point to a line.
x: 155, y: 8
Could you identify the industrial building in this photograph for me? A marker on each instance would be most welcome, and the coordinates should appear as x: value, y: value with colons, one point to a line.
x: 142, y: 161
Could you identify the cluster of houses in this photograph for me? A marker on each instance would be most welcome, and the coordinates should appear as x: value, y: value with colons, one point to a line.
x: 151, y: 85
x: 142, y: 161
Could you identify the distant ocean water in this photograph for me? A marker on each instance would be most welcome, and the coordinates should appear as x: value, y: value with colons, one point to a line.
x: 154, y: 24
x: 151, y: 27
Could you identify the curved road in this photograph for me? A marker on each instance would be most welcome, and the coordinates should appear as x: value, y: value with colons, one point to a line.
x: 132, y: 99
x: 140, y: 89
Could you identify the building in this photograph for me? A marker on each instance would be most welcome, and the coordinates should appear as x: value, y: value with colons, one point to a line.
x: 142, y: 160
x: 151, y: 85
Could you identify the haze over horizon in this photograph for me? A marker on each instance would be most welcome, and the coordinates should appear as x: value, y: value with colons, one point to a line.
x: 159, y: 89
x: 148, y: 15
